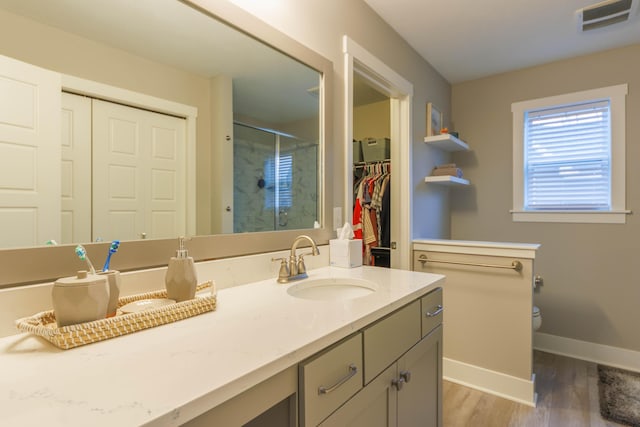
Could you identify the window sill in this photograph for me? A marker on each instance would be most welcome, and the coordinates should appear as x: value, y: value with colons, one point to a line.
x: 589, y: 217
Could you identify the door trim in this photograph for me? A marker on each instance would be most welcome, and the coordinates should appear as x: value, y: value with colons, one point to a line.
x: 400, y: 91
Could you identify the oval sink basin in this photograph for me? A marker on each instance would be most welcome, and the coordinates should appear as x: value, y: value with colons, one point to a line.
x: 332, y: 289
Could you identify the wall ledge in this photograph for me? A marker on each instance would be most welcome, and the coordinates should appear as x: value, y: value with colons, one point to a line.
x: 517, y: 250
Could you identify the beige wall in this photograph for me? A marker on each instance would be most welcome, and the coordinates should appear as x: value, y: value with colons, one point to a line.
x: 590, y: 290
x: 372, y: 120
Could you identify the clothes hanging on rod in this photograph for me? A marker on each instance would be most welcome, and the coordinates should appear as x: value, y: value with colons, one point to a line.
x: 371, y: 214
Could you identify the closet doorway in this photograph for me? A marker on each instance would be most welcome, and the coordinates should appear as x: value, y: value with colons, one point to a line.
x: 372, y: 171
x: 361, y: 64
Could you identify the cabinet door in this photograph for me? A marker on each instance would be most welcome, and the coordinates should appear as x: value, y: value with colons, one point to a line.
x: 374, y: 406
x: 420, y: 399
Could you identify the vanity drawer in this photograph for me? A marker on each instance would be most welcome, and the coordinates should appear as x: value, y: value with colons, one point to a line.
x: 389, y: 338
x: 330, y: 379
x: 432, y: 311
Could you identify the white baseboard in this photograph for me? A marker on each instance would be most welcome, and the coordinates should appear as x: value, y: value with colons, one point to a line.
x: 592, y: 352
x: 497, y: 383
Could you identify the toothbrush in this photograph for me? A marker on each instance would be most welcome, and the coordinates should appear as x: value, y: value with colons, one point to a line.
x: 82, y: 254
x: 112, y: 250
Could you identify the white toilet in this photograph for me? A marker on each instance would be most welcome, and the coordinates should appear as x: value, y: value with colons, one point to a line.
x: 537, y: 318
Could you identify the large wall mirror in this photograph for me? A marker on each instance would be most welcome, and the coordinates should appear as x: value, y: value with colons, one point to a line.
x: 176, y: 118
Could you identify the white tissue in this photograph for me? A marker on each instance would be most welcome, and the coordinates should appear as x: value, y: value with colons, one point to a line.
x: 316, y: 224
x: 346, y: 232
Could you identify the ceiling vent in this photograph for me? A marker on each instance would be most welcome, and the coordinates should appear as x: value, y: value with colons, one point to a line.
x: 605, y: 13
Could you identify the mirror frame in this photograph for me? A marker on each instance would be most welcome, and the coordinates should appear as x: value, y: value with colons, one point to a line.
x: 25, y: 266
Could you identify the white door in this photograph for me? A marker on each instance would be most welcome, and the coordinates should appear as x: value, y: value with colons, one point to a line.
x: 386, y: 81
x: 76, y: 168
x: 29, y: 154
x: 139, y: 173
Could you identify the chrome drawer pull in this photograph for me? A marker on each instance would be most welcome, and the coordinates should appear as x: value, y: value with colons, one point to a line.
x: 326, y: 390
x: 435, y: 313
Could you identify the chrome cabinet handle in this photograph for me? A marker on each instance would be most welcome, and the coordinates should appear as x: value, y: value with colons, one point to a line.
x: 353, y: 369
x: 439, y: 310
x: 398, y: 384
x: 405, y: 377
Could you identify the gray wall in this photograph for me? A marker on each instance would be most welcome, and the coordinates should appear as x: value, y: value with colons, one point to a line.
x: 591, y: 290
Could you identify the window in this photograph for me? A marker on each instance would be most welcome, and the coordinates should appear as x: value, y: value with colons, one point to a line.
x: 568, y: 157
x: 279, y: 188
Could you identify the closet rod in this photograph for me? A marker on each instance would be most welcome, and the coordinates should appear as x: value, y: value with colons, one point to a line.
x: 515, y: 265
x: 375, y: 162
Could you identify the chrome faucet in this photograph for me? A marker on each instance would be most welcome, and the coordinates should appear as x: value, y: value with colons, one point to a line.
x: 294, y: 268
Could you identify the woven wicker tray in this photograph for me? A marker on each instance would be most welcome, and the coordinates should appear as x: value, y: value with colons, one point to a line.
x: 44, y: 324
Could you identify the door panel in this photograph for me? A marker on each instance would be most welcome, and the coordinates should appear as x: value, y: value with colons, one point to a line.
x: 76, y: 168
x: 29, y: 141
x: 419, y: 401
x: 139, y: 166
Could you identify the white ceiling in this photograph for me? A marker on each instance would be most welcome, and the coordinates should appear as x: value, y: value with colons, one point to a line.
x: 467, y: 39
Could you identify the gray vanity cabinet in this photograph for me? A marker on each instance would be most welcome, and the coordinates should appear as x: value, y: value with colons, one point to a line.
x: 388, y: 373
x: 402, y: 371
x: 386, y: 402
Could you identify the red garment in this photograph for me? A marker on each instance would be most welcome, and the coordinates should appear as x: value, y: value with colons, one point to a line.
x: 357, y: 220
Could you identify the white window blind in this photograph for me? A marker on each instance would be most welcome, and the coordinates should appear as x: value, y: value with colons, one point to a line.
x: 285, y: 193
x: 568, y: 157
x: 280, y: 187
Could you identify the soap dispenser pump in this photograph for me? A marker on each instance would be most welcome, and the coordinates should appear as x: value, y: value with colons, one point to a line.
x: 181, y: 279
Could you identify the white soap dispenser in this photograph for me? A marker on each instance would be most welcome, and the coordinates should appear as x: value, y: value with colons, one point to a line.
x: 181, y: 278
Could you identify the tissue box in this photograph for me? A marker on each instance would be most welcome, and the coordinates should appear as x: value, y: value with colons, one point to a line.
x: 345, y: 253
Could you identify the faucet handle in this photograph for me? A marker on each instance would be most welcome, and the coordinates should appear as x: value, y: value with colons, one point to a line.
x: 302, y: 269
x: 283, y: 274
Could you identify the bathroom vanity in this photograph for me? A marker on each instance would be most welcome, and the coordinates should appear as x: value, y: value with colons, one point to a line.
x: 263, y: 355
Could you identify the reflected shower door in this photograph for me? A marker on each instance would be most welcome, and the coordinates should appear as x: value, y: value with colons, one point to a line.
x: 275, y: 188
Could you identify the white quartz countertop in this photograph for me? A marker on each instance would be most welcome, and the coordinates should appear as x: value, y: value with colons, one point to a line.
x: 170, y: 374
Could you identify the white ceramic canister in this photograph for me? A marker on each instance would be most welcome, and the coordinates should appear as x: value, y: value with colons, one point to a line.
x: 81, y: 298
x: 113, y: 279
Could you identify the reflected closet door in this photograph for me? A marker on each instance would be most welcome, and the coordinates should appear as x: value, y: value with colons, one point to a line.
x: 139, y: 173
x: 29, y: 154
x: 76, y: 168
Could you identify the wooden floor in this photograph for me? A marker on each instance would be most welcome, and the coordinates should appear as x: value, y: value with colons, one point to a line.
x: 567, y: 397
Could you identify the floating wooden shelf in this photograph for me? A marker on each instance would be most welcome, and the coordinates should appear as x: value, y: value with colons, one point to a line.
x: 446, y: 180
x: 446, y: 142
